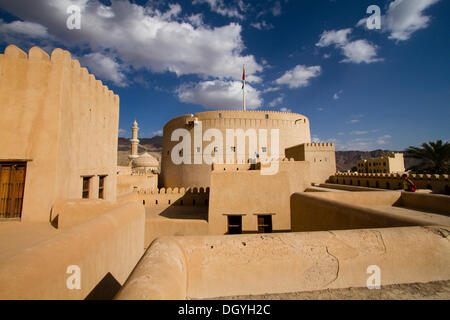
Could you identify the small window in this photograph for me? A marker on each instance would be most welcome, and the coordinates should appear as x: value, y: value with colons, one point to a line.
x: 220, y: 116
x: 168, y: 202
x: 264, y: 149
x: 264, y: 224
x: 101, y: 187
x: 234, y: 224
x: 233, y: 149
x: 86, y: 184
x: 198, y: 149
x: 156, y: 201
x: 267, y: 116
x: 216, y: 149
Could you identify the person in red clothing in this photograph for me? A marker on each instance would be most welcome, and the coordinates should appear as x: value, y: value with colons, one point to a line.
x: 408, y: 185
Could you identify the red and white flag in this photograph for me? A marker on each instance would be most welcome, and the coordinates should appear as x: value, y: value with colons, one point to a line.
x: 243, y: 78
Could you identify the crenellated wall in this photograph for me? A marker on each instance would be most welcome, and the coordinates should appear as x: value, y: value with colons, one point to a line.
x: 393, y: 181
x: 321, y: 157
x: 60, y: 120
x: 191, y: 196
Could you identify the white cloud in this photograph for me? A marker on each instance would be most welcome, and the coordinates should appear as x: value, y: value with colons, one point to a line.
x: 263, y: 25
x: 219, y: 7
x: 336, y: 95
x: 359, y: 132
x: 360, y: 51
x: 143, y: 37
x: 157, y: 133
x: 336, y: 37
x: 383, y: 139
x: 277, y: 101
x: 219, y: 94
x: 353, y: 121
x: 320, y: 109
x: 300, y: 76
x: 271, y: 89
x: 315, y: 138
x: 104, y: 67
x: 404, y: 17
x: 122, y: 132
x: 28, y: 29
x: 276, y: 9
x: 285, y: 110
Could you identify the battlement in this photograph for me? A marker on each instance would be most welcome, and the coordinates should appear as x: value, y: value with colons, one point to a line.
x: 58, y: 58
x: 440, y: 177
x: 175, y: 191
x: 319, y: 144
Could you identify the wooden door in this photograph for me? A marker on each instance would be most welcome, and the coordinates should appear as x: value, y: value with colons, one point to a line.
x: 12, y: 183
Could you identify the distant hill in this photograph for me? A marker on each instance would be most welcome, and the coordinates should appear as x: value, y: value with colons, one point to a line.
x: 151, y: 145
x: 345, y: 160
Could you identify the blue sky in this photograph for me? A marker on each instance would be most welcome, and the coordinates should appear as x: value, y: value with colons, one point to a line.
x: 362, y: 89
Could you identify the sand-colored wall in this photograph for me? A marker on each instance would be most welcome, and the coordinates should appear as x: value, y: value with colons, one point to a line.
x: 321, y: 157
x: 356, y: 210
x: 393, y: 181
x: 249, y: 193
x: 157, y: 228
x: 62, y: 121
x: 221, y: 266
x: 427, y: 202
x: 130, y: 183
x: 111, y: 243
x: 293, y: 130
x: 174, y: 196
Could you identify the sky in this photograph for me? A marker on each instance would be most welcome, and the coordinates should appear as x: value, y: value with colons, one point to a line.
x: 362, y: 88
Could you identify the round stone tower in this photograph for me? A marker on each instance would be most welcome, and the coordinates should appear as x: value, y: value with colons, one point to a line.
x: 293, y: 129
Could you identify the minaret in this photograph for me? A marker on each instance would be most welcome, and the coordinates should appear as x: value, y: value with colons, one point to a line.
x: 134, y: 141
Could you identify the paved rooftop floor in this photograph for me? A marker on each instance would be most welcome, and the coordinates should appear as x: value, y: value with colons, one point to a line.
x: 16, y: 236
x: 414, y: 291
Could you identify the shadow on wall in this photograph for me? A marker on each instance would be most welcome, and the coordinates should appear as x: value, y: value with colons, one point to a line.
x: 106, y: 289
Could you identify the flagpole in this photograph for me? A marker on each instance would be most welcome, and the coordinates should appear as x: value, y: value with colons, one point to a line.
x: 243, y: 88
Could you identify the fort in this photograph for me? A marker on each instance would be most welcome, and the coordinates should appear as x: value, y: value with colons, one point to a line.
x: 194, y: 230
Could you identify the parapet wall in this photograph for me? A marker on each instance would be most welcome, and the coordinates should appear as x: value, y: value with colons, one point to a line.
x: 105, y: 247
x: 204, y: 267
x: 393, y: 181
x: 357, y: 210
x: 191, y: 196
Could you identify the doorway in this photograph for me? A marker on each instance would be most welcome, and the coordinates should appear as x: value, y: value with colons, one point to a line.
x: 12, y: 184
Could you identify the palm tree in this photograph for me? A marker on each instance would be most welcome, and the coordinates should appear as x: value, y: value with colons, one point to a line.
x: 435, y: 157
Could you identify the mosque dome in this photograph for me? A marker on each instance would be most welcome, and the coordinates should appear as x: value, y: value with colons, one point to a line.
x: 145, y: 161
